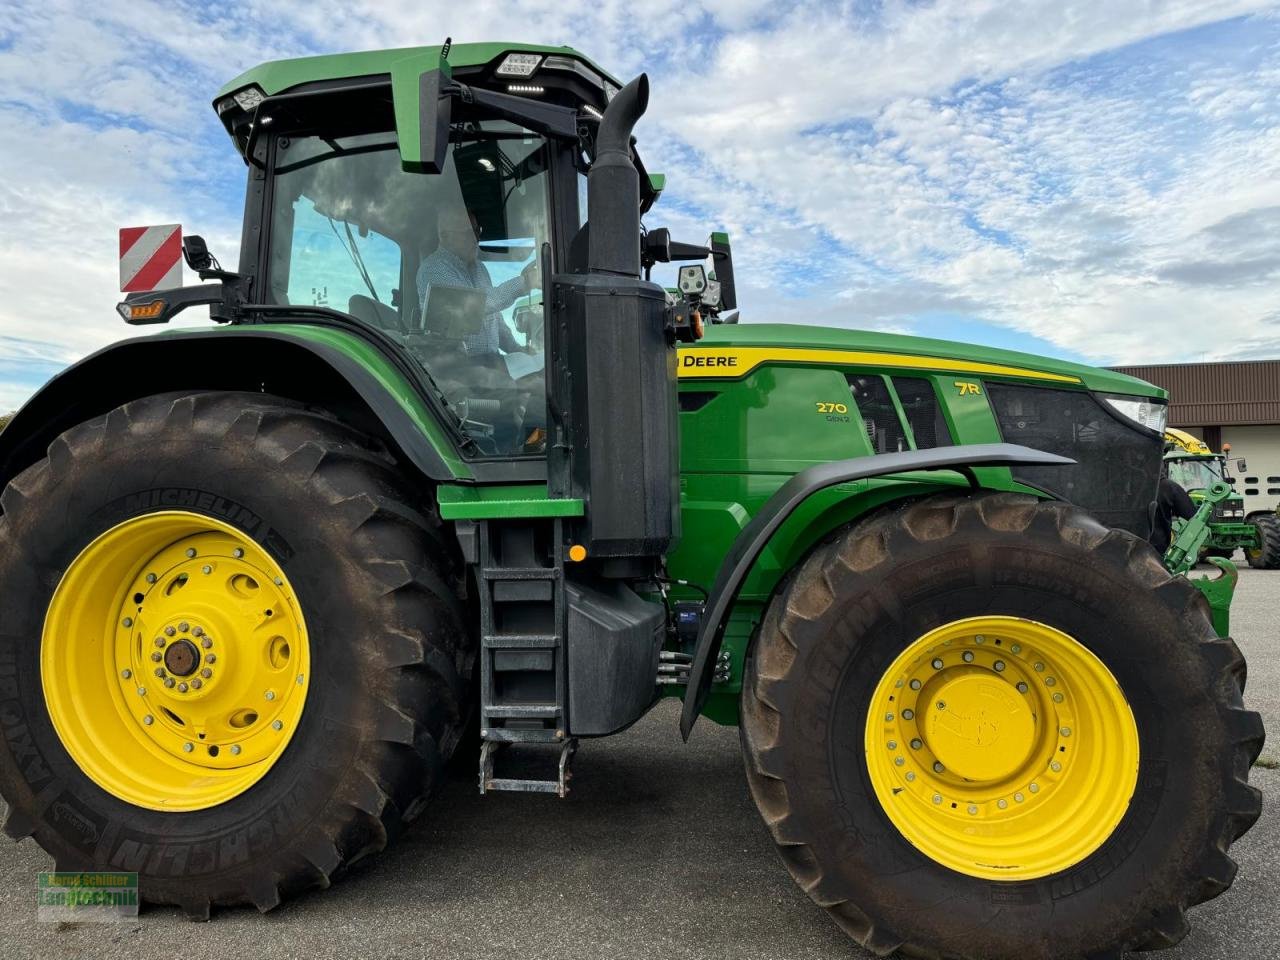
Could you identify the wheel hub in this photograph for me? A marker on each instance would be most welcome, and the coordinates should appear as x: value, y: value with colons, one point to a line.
x: 208, y: 649
x: 1001, y: 747
x: 182, y: 658
x: 979, y: 727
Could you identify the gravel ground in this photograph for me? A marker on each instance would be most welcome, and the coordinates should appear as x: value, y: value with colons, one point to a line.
x: 659, y: 853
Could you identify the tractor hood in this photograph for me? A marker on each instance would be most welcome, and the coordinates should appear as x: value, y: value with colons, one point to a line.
x: 757, y: 343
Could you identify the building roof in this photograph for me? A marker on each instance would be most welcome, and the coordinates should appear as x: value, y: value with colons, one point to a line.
x: 1217, y: 394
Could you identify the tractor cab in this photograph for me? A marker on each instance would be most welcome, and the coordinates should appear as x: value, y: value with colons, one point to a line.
x: 432, y: 204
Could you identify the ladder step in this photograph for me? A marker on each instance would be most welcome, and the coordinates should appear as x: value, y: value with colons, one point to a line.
x: 532, y: 640
x: 559, y: 786
x: 520, y: 573
x: 547, y: 711
x: 500, y: 735
x: 525, y: 786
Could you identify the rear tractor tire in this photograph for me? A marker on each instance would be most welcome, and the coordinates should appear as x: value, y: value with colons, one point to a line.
x: 234, y: 657
x: 988, y: 728
x: 1267, y: 554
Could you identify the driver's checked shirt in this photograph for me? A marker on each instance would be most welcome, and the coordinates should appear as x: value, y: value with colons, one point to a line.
x: 445, y: 268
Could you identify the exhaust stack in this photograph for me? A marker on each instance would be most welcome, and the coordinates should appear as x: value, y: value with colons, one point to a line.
x: 613, y: 185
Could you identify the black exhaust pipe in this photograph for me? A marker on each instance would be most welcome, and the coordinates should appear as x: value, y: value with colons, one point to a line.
x: 613, y: 185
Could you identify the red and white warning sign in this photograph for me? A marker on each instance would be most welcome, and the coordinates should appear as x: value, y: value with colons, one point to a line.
x: 150, y: 258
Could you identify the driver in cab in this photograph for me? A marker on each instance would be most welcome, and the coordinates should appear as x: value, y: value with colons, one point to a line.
x: 456, y: 263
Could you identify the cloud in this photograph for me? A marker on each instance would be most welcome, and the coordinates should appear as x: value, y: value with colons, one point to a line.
x: 1104, y: 178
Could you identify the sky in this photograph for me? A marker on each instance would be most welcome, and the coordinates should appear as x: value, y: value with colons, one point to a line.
x: 1082, y: 178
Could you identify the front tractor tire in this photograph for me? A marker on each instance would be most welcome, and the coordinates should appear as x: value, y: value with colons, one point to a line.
x: 988, y: 728
x: 235, y: 652
x: 1266, y: 555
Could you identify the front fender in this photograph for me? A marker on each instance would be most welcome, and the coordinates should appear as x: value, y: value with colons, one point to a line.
x: 757, y: 534
x: 314, y: 365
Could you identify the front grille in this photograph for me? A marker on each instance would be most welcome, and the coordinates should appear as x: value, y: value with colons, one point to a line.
x: 1117, y: 467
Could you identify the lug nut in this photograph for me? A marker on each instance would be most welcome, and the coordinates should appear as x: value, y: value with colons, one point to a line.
x: 1065, y: 731
x: 235, y: 749
x: 184, y: 627
x: 160, y: 672
x: 270, y: 694
x: 1050, y: 682
x: 937, y: 663
x: 197, y: 683
x: 1056, y: 767
x: 191, y: 552
x: 128, y: 622
x: 148, y: 720
x: 938, y: 767
x: 898, y: 761
x: 937, y: 798
x: 888, y: 717
x: 980, y: 639
x: 999, y: 666
x: 277, y: 725
x: 967, y: 656
x: 206, y: 569
x: 911, y: 777
x: 198, y: 632
x: 915, y: 684
x: 237, y: 553
x: 1002, y: 804
x: 142, y: 691
x: 157, y: 656
x: 1022, y: 687
x: 188, y: 747
x: 908, y: 714
x: 1057, y: 698
x: 300, y: 679
x: 278, y: 582
x: 152, y: 578
x: 126, y: 673
x: 206, y: 673
x: 917, y: 744
x: 1034, y: 788
x: 206, y: 643
x: 1019, y: 797
x: 170, y: 683
x: 893, y: 744
x: 973, y: 811
x: 1016, y: 648
x: 159, y: 641
x: 942, y: 704
x: 182, y: 688
x: 211, y: 658
x: 1039, y: 668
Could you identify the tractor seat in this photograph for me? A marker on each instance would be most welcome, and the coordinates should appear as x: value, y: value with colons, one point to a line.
x: 376, y: 314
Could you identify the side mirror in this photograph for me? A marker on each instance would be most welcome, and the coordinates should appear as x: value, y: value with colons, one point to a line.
x: 723, y: 262
x: 657, y: 246
x: 196, y: 252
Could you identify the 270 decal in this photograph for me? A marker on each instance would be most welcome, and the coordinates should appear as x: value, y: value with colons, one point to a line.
x: 824, y: 407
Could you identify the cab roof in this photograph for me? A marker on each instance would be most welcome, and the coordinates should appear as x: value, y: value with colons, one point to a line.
x: 276, y: 76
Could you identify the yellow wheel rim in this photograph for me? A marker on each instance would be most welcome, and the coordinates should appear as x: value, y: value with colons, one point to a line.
x: 1002, y: 748
x: 175, y: 662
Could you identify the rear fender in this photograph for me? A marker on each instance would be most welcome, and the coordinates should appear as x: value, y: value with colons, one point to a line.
x: 757, y: 534
x: 310, y: 369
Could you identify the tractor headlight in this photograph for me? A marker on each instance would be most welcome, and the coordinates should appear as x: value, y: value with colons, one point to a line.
x: 519, y: 65
x: 1146, y: 412
x: 248, y: 98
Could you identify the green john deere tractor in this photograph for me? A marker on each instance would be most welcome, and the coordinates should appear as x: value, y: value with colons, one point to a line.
x: 1194, y: 467
x: 263, y: 579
